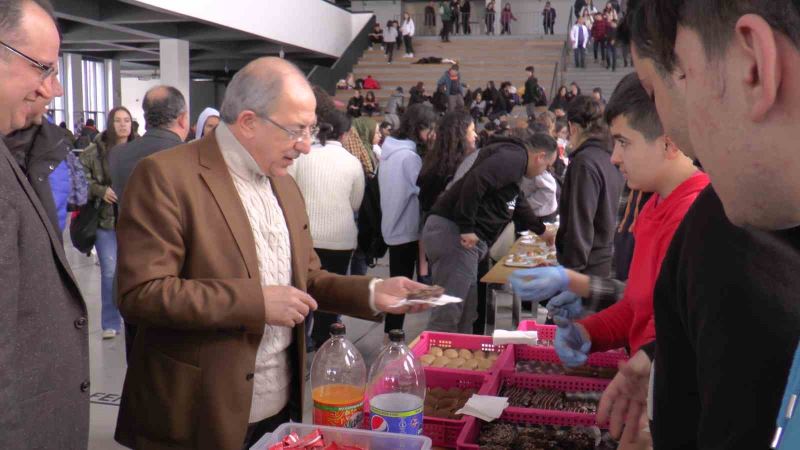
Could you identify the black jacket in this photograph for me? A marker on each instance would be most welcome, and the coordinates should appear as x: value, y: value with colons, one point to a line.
x: 489, y: 196
x: 531, y: 88
x: 39, y: 149
x: 588, y: 210
x: 549, y: 16
x: 124, y: 158
x: 727, y: 313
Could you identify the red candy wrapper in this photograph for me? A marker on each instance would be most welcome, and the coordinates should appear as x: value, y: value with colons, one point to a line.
x: 312, y: 441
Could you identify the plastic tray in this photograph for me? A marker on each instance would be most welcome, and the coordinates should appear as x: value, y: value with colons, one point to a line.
x: 535, y: 381
x: 544, y: 331
x: 513, y: 353
x: 430, y: 339
x: 369, y: 440
x: 468, y: 438
x: 444, y: 432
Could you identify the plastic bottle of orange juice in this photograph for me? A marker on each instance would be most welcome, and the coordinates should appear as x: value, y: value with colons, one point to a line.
x: 338, y: 377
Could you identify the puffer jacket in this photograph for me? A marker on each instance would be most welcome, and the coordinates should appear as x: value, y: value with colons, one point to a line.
x: 95, y: 166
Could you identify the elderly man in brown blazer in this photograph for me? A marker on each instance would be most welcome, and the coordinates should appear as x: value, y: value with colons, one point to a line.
x: 216, y: 267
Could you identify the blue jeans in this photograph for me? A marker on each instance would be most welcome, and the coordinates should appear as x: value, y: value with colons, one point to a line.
x: 106, y: 245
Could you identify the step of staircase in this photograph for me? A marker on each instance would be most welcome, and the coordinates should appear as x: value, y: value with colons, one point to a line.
x: 596, y: 75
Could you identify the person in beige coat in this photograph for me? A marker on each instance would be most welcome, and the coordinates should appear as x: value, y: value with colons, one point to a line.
x: 217, y: 270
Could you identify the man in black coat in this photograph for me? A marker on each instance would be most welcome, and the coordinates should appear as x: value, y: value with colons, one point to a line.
x: 167, y: 120
x: 44, y: 352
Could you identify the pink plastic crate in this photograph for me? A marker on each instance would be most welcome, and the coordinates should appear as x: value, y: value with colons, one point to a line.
x: 544, y: 331
x: 513, y: 353
x: 444, y: 432
x: 430, y: 339
x: 468, y: 438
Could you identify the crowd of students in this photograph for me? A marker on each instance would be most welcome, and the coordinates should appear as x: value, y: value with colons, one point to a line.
x: 598, y: 30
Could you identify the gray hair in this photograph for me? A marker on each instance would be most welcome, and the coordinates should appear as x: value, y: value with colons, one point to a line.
x: 11, y: 16
x: 162, y: 106
x: 255, y: 89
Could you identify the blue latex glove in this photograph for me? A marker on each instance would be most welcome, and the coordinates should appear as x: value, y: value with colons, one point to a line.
x: 565, y: 305
x: 541, y: 283
x: 571, y: 345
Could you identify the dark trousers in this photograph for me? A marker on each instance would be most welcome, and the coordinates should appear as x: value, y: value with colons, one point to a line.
x: 580, y: 56
x: 479, y: 327
x: 611, y: 56
x: 600, y: 44
x: 390, y: 50
x: 456, y: 23
x: 256, y: 431
x: 402, y: 262
x: 407, y: 41
x: 446, y: 30
x: 358, y: 263
x: 548, y: 28
x: 506, y: 28
x: 465, y: 22
x: 490, y: 23
x: 626, y: 54
x: 334, y: 261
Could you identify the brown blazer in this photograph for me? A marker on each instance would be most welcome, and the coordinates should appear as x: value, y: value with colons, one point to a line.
x: 188, y: 277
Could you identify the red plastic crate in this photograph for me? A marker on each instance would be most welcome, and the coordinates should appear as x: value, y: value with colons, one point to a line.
x: 543, y: 331
x: 430, y: 339
x: 513, y: 353
x: 444, y: 432
x: 468, y: 438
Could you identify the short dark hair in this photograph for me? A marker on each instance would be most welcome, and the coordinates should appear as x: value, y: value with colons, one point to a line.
x: 543, y: 142
x: 89, y: 122
x: 11, y: 16
x: 643, y: 27
x: 716, y: 30
x: 598, y: 90
x: 162, y: 110
x: 632, y: 101
x: 333, y: 124
x: 537, y: 127
x: 418, y: 117
x: 529, y: 69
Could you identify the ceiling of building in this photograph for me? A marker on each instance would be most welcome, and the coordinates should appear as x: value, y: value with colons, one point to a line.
x: 112, y: 29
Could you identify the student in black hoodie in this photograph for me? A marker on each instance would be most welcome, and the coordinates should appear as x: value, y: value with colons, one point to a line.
x: 467, y: 218
x: 590, y: 195
x: 733, y: 263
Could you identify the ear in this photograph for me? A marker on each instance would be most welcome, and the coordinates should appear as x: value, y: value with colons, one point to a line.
x: 247, y: 123
x: 671, y: 151
x: 758, y: 50
x: 183, y: 120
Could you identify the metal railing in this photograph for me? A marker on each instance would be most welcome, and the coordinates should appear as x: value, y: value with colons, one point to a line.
x: 527, y: 23
x: 327, y: 77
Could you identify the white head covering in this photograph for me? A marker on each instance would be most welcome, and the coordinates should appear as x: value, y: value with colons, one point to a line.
x: 201, y: 121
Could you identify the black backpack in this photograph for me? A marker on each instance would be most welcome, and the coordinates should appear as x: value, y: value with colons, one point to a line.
x: 370, y: 236
x: 539, y: 98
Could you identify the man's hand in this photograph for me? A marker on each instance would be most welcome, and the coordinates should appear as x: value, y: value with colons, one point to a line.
x: 549, y: 237
x: 389, y: 292
x: 110, y: 196
x: 572, y: 343
x: 624, y: 402
x: 286, y: 306
x: 469, y: 240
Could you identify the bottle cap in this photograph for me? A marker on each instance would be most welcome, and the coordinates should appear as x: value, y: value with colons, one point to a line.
x: 338, y: 329
x: 397, y: 336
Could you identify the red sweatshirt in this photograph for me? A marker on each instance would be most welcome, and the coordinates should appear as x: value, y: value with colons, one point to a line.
x: 630, y: 321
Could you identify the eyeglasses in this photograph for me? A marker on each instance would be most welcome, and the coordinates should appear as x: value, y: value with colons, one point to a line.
x: 297, y: 135
x: 45, y: 70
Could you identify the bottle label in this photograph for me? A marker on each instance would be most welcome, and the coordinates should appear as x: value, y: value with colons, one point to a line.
x: 350, y: 415
x: 404, y: 422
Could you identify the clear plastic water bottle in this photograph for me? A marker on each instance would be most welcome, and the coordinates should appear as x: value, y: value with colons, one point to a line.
x: 396, y: 389
x: 338, y: 376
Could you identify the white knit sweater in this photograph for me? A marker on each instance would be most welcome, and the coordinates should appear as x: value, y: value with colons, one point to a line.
x: 332, y: 182
x: 271, y: 377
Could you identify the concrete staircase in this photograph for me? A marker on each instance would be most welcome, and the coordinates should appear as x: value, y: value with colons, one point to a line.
x: 596, y: 75
x: 481, y: 59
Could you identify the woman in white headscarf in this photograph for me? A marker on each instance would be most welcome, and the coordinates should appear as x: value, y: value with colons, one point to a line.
x: 208, y: 120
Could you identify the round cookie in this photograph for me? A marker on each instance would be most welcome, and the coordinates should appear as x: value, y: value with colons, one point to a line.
x: 451, y: 353
x: 492, y: 356
x: 427, y: 360
x: 440, y: 361
x: 464, y: 353
x: 455, y: 363
x: 478, y: 354
x: 471, y: 364
x: 436, y: 351
x: 484, y: 364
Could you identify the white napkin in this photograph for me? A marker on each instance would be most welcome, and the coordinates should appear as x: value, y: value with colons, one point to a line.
x: 502, y: 337
x: 484, y: 407
x: 443, y: 300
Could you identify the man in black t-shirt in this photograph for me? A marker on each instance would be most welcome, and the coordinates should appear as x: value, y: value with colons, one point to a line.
x: 727, y: 303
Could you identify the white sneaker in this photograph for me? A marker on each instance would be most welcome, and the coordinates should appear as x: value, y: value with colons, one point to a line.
x: 109, y: 334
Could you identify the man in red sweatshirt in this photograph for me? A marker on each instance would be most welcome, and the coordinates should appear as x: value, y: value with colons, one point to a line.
x: 650, y: 162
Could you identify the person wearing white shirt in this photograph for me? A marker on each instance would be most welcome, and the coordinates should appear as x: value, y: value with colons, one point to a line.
x: 407, y: 30
x: 579, y: 36
x: 332, y: 182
